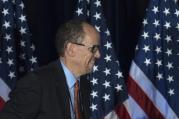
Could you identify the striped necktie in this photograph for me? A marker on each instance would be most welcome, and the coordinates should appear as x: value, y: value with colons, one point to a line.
x: 77, y: 102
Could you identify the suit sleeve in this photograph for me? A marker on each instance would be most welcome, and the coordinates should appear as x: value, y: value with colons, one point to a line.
x: 24, y: 99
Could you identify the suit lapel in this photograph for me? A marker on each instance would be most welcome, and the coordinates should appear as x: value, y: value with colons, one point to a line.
x: 62, y: 90
x: 85, y: 96
x: 64, y: 95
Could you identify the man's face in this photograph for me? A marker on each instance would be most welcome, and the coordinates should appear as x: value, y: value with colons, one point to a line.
x: 88, y: 50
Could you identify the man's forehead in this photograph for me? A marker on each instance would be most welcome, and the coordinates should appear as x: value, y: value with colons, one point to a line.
x: 89, y: 28
x: 91, y: 33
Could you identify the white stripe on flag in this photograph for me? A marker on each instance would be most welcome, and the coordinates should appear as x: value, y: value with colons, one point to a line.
x: 4, y: 90
x: 134, y: 109
x: 146, y: 85
x: 111, y: 115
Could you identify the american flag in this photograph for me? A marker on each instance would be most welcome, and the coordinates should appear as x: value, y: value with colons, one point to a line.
x: 16, y: 49
x: 108, y: 88
x: 153, y: 83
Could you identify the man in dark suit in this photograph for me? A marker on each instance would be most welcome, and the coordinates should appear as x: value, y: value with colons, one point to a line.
x: 48, y: 93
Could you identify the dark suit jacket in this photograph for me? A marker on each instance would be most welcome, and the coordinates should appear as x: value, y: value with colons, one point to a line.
x: 43, y: 94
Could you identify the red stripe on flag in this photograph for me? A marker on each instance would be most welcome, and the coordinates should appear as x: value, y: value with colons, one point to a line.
x: 122, y: 112
x: 142, y: 99
x: 2, y: 102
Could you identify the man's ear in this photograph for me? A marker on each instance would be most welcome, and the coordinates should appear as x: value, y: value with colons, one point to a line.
x: 70, y: 49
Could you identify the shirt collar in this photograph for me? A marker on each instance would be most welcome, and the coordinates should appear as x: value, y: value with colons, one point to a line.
x: 70, y: 78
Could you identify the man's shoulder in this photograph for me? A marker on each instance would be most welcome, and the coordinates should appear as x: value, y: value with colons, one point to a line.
x: 45, y: 68
x: 45, y: 72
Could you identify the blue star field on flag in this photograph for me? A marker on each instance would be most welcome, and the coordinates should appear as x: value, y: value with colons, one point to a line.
x: 16, y: 49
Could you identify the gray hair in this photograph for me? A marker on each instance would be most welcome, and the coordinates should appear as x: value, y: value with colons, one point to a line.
x: 71, y: 31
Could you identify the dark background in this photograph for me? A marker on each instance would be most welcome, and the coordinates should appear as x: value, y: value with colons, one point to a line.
x: 124, y: 19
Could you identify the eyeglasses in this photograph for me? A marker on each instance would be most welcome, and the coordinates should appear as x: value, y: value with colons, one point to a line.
x: 92, y: 49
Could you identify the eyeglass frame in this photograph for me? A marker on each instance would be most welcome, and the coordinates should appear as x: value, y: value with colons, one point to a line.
x: 93, y: 49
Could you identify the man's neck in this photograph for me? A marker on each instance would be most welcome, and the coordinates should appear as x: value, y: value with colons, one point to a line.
x: 69, y: 65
